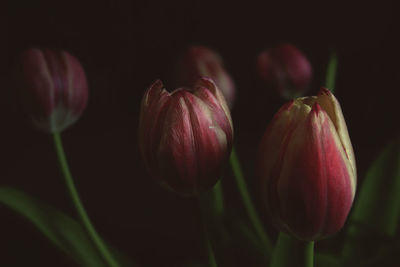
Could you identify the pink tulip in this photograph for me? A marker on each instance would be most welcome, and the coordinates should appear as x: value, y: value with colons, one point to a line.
x: 200, y: 61
x: 307, y: 168
x: 54, y: 87
x: 285, y: 69
x: 185, y: 136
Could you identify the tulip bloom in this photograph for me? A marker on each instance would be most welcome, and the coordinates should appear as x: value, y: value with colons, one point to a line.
x: 200, y: 61
x: 54, y: 87
x: 285, y: 69
x: 306, y: 167
x: 185, y: 136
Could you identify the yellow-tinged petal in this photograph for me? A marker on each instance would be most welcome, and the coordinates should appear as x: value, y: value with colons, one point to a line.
x: 332, y: 107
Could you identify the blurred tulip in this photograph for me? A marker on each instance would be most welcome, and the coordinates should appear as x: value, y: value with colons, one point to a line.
x: 200, y: 61
x: 54, y: 87
x: 185, y: 136
x: 286, y: 70
x: 306, y: 167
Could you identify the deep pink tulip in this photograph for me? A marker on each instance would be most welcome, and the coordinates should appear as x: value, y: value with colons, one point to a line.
x: 185, y: 136
x: 54, y: 87
x: 200, y: 61
x: 306, y: 167
x: 285, y: 69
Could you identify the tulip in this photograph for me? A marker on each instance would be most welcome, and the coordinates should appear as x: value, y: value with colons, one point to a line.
x: 200, y: 61
x: 185, y: 136
x: 307, y: 168
x: 285, y: 69
x: 54, y: 88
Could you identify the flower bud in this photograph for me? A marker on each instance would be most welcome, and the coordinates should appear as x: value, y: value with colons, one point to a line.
x: 306, y: 167
x: 185, y: 136
x: 285, y: 69
x: 54, y: 88
x: 200, y: 61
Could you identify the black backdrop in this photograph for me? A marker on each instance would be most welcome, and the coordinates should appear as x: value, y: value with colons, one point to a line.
x: 124, y: 46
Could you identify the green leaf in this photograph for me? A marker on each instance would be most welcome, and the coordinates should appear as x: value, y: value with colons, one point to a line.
x: 375, y: 216
x: 248, y: 202
x: 378, y: 203
x: 62, y: 230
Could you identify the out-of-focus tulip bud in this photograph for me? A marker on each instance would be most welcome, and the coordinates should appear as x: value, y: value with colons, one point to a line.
x: 306, y: 167
x: 54, y: 87
x: 185, y: 136
x: 200, y: 61
x: 285, y: 69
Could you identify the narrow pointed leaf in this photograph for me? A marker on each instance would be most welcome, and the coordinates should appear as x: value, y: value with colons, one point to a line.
x: 378, y: 203
x: 375, y: 217
x: 66, y: 233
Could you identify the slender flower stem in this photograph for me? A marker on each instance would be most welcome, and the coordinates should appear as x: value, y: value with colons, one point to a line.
x: 291, y: 252
x: 218, y: 198
x: 78, y: 204
x: 203, y: 213
x: 255, y: 220
x: 211, y: 258
x: 331, y: 72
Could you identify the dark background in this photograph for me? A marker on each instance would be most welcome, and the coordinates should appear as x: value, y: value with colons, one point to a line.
x: 124, y: 46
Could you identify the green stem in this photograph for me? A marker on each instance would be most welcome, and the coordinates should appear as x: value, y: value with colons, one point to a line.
x: 210, y: 252
x: 331, y: 72
x: 78, y: 204
x: 255, y: 220
x: 218, y: 198
x: 211, y: 258
x: 291, y: 252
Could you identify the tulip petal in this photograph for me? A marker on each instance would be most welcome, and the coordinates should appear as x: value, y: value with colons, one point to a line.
x: 332, y: 107
x: 314, y: 187
x: 38, y: 81
x: 184, y: 137
x: 56, y: 88
x: 285, y: 69
x: 211, y: 142
x: 152, y: 116
x: 210, y: 85
x: 200, y: 61
x: 277, y: 133
x: 176, y: 152
x: 222, y: 119
x: 78, y: 86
